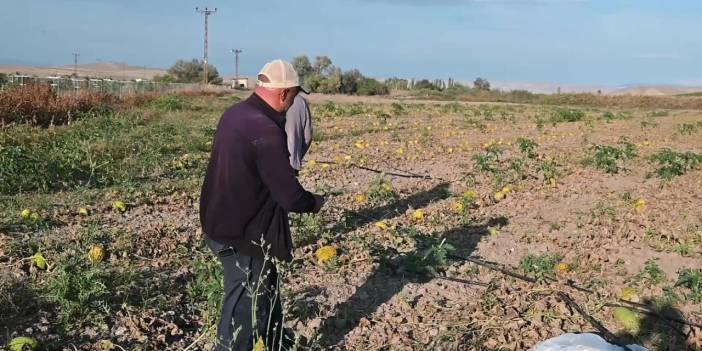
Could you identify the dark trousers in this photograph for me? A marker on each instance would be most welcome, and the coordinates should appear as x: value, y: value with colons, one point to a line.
x: 248, y: 283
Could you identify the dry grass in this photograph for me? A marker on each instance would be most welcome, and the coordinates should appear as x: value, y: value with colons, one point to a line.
x: 39, y: 105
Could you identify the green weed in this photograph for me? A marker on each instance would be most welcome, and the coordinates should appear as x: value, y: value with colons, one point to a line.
x: 488, y: 160
x: 672, y: 164
x: 539, y: 266
x: 170, y: 103
x: 689, y: 128
x: 527, y: 147
x: 691, y: 279
x: 207, y: 285
x: 609, y: 116
x: 610, y: 158
x: 306, y: 228
x: 381, y: 191
x: 78, y: 289
x: 566, y: 115
x: 651, y: 274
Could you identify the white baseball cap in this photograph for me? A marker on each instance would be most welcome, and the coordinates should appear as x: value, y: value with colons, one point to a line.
x: 280, y: 75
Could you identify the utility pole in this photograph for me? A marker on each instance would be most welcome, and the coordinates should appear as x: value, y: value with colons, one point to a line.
x: 75, y: 64
x: 207, y: 12
x: 236, y: 67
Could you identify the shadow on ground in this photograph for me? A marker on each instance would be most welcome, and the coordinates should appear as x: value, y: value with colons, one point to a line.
x: 18, y: 305
x: 662, y: 333
x: 357, y: 219
x: 392, y: 273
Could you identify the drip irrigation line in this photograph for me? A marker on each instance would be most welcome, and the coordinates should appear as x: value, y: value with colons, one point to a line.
x: 406, y: 175
x: 643, y: 308
x: 640, y: 307
x: 464, y: 281
x: 606, y: 334
x: 494, y: 267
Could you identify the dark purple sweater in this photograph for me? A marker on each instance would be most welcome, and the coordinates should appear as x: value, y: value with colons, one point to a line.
x: 250, y: 186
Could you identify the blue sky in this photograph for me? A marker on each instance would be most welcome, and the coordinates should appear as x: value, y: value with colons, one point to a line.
x: 609, y: 42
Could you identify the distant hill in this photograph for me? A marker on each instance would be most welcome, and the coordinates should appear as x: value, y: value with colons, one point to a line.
x: 112, y: 70
x: 646, y: 90
x: 657, y: 90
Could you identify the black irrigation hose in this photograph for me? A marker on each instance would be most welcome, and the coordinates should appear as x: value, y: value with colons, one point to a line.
x: 404, y: 174
x: 407, y: 175
x: 494, y: 267
x: 464, y: 281
x: 606, y: 334
x: 641, y: 307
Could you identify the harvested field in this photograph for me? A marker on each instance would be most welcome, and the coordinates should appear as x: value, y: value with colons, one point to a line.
x: 598, y: 205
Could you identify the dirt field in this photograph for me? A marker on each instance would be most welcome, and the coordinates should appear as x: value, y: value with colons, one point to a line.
x: 534, y: 190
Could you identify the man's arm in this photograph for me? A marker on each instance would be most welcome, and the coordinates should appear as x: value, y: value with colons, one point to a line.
x: 277, y: 174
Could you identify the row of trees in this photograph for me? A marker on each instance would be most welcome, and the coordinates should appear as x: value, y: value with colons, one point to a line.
x: 437, y: 84
x: 323, y: 77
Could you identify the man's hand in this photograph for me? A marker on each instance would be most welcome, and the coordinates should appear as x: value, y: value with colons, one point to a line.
x: 318, y: 202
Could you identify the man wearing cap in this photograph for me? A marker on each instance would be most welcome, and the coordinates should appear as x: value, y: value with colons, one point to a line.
x: 248, y: 191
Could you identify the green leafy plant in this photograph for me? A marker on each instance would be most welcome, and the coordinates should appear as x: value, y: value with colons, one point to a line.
x: 527, y: 147
x: 691, y: 279
x: 381, y: 191
x: 78, y: 289
x: 170, y: 103
x: 550, y: 169
x: 539, y: 266
x: 689, y: 128
x: 566, y: 115
x: 488, y: 160
x: 651, y: 274
x: 672, y: 164
x: 306, y: 228
x: 430, y: 257
x: 207, y: 285
x: 609, y: 158
x: 609, y: 116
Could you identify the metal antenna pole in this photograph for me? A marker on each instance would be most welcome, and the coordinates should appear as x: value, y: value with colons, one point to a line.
x: 75, y: 64
x: 236, y: 67
x: 207, y: 12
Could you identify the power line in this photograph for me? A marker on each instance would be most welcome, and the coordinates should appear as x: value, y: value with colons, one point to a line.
x: 207, y: 12
x: 236, y: 69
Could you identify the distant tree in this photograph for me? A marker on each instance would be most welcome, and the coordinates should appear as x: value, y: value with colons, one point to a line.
x: 193, y: 72
x: 397, y: 83
x: 481, y: 84
x: 349, y: 81
x: 425, y: 84
x: 303, y: 66
x: 166, y: 78
x: 322, y: 65
x: 457, y: 88
x: 3, y: 78
x: 331, y: 84
x: 313, y: 81
x: 370, y: 86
